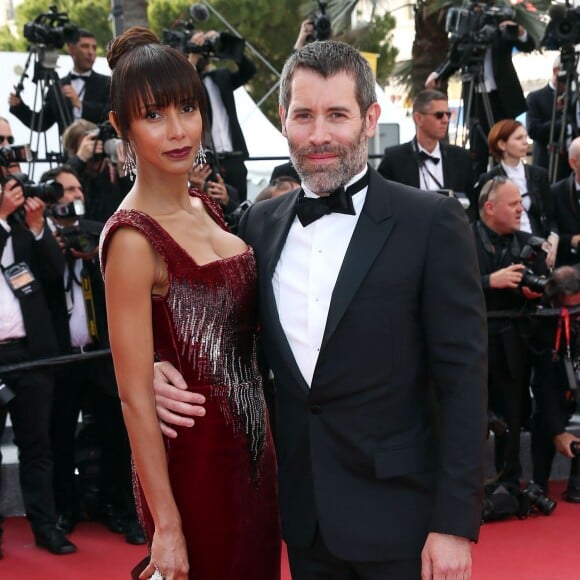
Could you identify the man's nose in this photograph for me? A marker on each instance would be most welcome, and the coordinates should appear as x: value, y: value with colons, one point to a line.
x: 319, y: 133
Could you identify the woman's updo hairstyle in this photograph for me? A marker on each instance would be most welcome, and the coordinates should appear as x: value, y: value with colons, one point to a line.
x: 145, y: 72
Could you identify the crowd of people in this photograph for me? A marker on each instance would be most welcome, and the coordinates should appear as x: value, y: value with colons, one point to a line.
x: 363, y: 326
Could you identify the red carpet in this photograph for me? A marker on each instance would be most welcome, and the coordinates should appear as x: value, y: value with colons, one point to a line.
x: 539, y: 548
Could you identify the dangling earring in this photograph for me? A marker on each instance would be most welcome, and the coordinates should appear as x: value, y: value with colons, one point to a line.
x: 130, y: 166
x: 200, y: 158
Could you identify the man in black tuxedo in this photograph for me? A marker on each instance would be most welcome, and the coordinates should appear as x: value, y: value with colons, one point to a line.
x: 427, y: 162
x: 497, y: 71
x: 379, y: 361
x: 83, y: 93
x: 32, y: 270
x: 225, y: 138
x: 566, y: 196
x: 539, y: 123
x: 86, y: 385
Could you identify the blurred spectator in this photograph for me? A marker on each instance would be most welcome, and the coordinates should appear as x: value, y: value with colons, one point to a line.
x: 224, y: 138
x: 279, y: 186
x: 102, y: 175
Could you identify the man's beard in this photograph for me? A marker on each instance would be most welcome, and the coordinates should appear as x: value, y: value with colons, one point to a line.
x: 323, y: 178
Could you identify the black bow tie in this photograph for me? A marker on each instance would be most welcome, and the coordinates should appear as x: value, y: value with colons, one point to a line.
x: 309, y: 209
x: 74, y: 77
x: 423, y: 156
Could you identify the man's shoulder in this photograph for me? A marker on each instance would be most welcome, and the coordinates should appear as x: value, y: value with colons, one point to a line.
x: 539, y: 92
x: 455, y: 151
x: 561, y: 188
x: 395, y: 150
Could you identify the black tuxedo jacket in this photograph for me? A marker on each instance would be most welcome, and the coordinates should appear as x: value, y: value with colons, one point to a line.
x: 567, y: 212
x: 541, y: 212
x: 46, y: 262
x: 96, y: 105
x: 227, y: 82
x: 510, y: 94
x: 539, y: 121
x: 400, y: 163
x: 387, y: 444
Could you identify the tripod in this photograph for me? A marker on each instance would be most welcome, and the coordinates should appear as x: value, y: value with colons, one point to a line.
x: 473, y: 84
x: 47, y: 82
x: 558, y: 149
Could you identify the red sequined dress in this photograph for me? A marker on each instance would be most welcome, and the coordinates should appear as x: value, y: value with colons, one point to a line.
x: 222, y: 471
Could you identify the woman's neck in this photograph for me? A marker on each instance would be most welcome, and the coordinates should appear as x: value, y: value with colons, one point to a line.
x: 511, y: 161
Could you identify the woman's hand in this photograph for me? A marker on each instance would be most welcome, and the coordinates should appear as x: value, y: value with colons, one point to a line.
x: 168, y: 555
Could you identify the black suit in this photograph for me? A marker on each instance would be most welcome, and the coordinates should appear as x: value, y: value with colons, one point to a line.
x: 231, y: 165
x: 541, y: 212
x: 96, y: 105
x: 539, y: 121
x: 31, y: 407
x: 359, y: 451
x: 401, y: 163
x: 567, y: 213
x: 90, y: 386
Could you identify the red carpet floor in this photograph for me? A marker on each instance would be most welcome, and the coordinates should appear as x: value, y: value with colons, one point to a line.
x: 539, y: 548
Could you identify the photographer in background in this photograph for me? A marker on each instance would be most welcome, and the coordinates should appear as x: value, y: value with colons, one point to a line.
x: 97, y: 157
x: 540, y: 122
x: 227, y: 140
x: 506, y: 284
x: 32, y: 269
x: 202, y: 176
x: 555, y: 390
x: 498, y: 73
x: 87, y: 385
x: 86, y: 92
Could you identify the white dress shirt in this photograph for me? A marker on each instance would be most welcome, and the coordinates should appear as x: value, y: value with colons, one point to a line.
x: 517, y: 174
x: 305, y: 277
x: 431, y: 174
x: 11, y: 320
x: 79, y: 86
x: 220, y: 121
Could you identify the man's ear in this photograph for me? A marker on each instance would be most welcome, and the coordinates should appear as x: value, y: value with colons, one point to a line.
x: 372, y: 119
x: 282, y: 113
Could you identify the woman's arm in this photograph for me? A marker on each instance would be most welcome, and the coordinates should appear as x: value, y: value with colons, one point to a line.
x: 132, y: 271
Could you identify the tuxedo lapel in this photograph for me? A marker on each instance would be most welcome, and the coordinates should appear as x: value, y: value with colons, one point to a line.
x: 274, y: 235
x: 445, y: 165
x: 372, y: 230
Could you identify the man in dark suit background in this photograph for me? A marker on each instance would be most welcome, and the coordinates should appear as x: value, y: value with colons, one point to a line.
x: 374, y: 326
x: 83, y: 92
x: 497, y: 71
x: 566, y: 196
x: 225, y: 139
x: 427, y: 162
x: 32, y: 269
x: 539, y: 123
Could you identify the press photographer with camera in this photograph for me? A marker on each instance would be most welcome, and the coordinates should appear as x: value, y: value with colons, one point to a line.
x: 86, y: 92
x: 32, y: 269
x: 555, y: 388
x: 225, y: 138
x: 482, y: 45
x: 511, y: 263
x: 97, y: 157
x: 86, y: 385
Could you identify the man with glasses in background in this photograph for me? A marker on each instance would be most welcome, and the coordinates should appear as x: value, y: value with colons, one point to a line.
x: 427, y: 161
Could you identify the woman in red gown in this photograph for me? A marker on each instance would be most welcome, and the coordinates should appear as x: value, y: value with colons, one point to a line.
x: 181, y: 287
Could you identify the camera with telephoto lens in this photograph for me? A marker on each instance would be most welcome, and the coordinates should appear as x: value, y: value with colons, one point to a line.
x: 575, y: 448
x: 51, y: 29
x: 473, y: 27
x: 77, y: 238
x: 49, y: 191
x: 321, y: 23
x: 531, y: 256
x: 14, y: 154
x: 106, y: 133
x: 538, y: 500
x: 563, y: 30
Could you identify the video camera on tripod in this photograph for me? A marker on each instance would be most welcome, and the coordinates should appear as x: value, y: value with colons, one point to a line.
x: 563, y: 29
x: 225, y: 46
x: 48, y: 32
x: 473, y: 26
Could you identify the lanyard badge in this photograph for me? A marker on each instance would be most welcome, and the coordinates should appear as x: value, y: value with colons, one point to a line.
x: 21, y: 280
